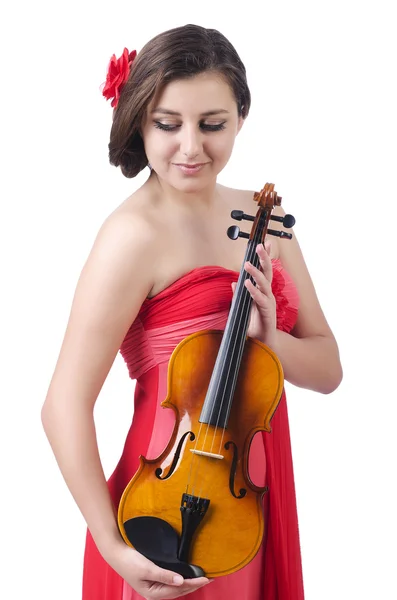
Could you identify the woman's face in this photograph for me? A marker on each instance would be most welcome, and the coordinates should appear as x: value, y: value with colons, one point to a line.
x: 189, y: 132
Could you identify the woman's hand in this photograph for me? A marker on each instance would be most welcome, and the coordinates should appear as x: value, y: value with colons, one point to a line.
x: 146, y: 578
x: 263, y: 319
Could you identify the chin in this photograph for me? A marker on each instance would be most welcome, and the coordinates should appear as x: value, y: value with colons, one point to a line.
x: 187, y: 183
x: 191, y: 185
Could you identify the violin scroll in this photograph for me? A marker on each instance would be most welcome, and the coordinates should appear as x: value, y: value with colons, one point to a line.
x: 267, y: 199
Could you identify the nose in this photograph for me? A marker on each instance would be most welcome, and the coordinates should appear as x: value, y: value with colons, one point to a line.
x: 190, y: 141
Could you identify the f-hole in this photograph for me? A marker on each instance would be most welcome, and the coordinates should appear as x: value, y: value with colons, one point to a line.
x: 172, y: 468
x: 233, y: 468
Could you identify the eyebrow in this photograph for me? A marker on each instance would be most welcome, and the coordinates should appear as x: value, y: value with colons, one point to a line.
x: 165, y: 111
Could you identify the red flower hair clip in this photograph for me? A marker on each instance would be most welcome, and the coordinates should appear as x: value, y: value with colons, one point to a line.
x: 117, y: 75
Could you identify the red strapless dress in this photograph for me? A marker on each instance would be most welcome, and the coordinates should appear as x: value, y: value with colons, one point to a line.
x: 201, y: 300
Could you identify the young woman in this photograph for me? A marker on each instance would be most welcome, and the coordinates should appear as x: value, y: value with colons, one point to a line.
x: 160, y: 269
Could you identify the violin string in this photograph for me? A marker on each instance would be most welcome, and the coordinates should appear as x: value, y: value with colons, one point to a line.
x: 196, y: 457
x: 245, y: 299
x: 217, y: 428
x: 207, y: 429
x: 194, y: 460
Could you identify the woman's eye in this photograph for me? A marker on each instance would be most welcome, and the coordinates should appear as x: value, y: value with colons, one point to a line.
x: 203, y: 126
x: 217, y: 127
x: 165, y: 127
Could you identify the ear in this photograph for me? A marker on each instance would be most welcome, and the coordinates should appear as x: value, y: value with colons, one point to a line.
x: 240, y: 124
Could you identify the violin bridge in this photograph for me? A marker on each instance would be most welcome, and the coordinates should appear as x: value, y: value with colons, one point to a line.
x: 209, y: 454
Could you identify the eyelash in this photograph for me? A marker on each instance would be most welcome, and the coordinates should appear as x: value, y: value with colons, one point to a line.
x: 164, y: 127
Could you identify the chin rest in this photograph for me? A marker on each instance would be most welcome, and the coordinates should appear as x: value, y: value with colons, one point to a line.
x: 159, y: 542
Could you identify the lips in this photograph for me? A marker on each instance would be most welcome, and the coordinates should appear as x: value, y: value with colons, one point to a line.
x: 190, y: 166
x: 190, y: 169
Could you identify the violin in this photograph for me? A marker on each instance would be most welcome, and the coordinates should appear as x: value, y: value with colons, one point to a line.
x: 194, y: 509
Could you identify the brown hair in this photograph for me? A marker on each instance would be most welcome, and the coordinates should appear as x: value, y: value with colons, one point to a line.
x: 178, y: 53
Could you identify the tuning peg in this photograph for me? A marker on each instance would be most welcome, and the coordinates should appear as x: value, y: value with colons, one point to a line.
x: 238, y: 215
x: 282, y: 234
x: 234, y: 232
x: 287, y: 220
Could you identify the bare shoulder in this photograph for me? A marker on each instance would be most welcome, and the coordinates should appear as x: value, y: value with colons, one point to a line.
x: 123, y: 244
x: 131, y: 220
x: 110, y: 290
x: 238, y: 198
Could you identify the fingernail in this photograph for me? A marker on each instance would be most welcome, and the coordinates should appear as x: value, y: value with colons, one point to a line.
x: 178, y: 579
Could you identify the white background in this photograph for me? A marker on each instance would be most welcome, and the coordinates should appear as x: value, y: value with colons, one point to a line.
x: 323, y: 129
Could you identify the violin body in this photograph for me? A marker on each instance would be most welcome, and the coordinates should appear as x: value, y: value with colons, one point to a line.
x: 224, y: 518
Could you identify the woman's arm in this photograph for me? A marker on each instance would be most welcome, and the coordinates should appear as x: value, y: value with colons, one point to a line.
x: 309, y: 354
x: 112, y: 286
x: 310, y: 362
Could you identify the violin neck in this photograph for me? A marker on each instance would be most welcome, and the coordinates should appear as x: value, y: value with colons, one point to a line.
x: 218, y: 401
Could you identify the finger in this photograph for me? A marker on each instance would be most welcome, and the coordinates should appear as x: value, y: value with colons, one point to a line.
x: 158, y: 575
x: 262, y: 283
x: 191, y: 585
x: 258, y: 296
x: 165, y: 592
x: 196, y: 588
x: 265, y: 260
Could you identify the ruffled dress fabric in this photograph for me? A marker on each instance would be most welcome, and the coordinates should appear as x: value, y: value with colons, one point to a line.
x: 201, y: 300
